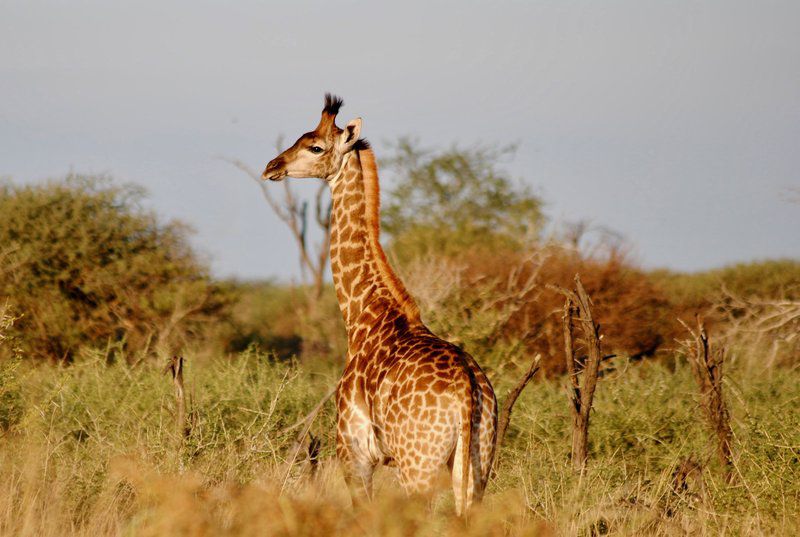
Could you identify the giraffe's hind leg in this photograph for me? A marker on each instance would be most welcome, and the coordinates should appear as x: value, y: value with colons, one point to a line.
x: 457, y: 476
x: 421, y: 467
x: 356, y: 451
x: 358, y: 476
x: 418, y: 477
x: 481, y: 455
x: 357, y: 468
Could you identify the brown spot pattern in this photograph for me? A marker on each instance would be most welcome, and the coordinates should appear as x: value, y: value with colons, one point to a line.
x: 406, y: 397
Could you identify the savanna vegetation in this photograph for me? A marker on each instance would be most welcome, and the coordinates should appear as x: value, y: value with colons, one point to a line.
x: 96, y: 293
x: 86, y: 266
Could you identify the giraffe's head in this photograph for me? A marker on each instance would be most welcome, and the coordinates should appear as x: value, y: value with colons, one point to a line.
x: 318, y: 153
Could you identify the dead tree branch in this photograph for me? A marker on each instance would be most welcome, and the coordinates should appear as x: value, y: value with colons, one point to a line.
x: 295, y: 214
x: 755, y: 325
x: 508, y: 405
x: 175, y: 367
x: 707, y: 365
x: 582, y: 378
x: 306, y: 423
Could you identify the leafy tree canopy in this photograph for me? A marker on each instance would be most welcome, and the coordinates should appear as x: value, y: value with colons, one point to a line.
x: 81, y: 262
x: 447, y: 200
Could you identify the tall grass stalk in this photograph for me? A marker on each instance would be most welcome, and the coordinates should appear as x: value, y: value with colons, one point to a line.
x: 91, y: 453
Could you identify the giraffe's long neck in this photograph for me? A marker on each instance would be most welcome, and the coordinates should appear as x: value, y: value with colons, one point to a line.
x: 361, y: 274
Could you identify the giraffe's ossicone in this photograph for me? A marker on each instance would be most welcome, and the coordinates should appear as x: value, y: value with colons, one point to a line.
x: 406, y: 397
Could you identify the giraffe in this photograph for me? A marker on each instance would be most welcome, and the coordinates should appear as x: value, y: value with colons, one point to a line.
x: 406, y: 397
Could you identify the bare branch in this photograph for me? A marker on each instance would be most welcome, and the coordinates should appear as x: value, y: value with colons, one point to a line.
x: 175, y: 367
x: 707, y: 370
x: 508, y: 405
x: 323, y: 220
x: 582, y: 381
x: 306, y: 422
x: 295, y: 214
x: 285, y: 217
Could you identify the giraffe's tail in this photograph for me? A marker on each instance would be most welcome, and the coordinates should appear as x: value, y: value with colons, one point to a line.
x: 466, y: 450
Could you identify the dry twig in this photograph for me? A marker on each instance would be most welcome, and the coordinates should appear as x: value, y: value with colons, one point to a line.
x: 175, y: 367
x: 754, y: 325
x: 294, y: 213
x: 707, y: 369
x: 582, y: 380
x: 306, y: 423
x: 508, y: 405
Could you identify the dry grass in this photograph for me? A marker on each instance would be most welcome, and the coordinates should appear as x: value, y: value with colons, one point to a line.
x: 91, y: 452
x: 764, y: 332
x: 499, y: 299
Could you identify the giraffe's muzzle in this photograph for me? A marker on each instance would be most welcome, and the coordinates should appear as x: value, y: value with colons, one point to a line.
x: 275, y: 170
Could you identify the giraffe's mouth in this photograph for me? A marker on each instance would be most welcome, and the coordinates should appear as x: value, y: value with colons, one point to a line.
x: 273, y: 174
x: 275, y: 170
x: 273, y: 177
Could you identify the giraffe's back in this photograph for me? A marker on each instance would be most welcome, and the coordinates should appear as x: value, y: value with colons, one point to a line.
x: 410, y: 398
x: 415, y: 391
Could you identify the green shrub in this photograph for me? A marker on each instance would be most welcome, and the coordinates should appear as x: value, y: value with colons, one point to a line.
x: 281, y: 319
x: 85, y: 264
x: 11, y: 402
x: 769, y: 279
x: 448, y: 200
x: 497, y: 303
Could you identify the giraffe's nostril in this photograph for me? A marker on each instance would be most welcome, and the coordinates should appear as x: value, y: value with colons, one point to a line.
x: 273, y: 168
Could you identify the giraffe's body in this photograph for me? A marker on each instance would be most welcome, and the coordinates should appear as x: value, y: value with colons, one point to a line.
x: 406, y: 397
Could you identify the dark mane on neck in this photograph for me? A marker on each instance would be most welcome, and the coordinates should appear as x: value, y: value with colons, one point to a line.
x: 369, y: 172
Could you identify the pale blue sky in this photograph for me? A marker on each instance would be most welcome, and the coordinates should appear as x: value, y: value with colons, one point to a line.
x: 676, y: 124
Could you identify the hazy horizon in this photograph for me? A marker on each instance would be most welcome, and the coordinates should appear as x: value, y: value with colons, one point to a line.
x: 675, y: 125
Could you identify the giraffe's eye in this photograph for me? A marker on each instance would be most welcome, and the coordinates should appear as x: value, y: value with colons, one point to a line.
x: 315, y: 149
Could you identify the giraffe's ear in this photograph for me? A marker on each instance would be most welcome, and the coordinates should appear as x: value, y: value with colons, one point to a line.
x: 350, y: 135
